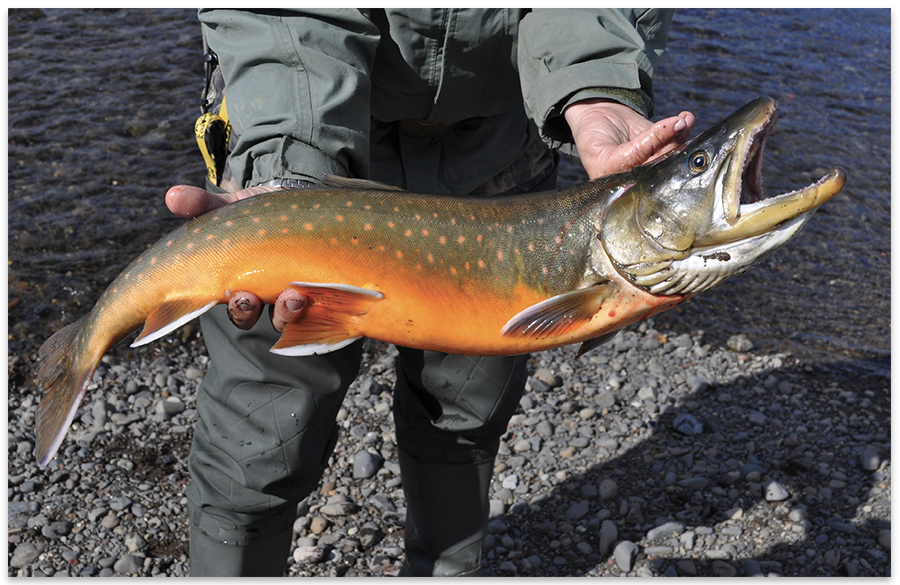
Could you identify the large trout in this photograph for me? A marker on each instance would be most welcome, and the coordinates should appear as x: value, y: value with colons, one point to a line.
x: 468, y: 275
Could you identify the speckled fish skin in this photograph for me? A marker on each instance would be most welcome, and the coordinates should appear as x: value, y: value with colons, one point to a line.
x: 468, y: 275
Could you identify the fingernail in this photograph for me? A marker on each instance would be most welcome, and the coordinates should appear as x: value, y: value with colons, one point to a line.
x: 293, y: 305
x: 242, y: 304
x: 680, y: 125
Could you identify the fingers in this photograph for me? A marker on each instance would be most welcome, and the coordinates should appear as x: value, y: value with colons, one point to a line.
x: 244, y: 309
x: 186, y: 201
x: 290, y: 306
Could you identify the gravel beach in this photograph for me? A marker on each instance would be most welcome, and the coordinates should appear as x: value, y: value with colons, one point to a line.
x: 656, y: 454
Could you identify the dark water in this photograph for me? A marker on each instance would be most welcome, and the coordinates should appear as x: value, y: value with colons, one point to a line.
x: 102, y: 105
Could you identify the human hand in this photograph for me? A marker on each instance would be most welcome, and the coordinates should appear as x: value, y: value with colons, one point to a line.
x: 244, y: 307
x: 612, y: 138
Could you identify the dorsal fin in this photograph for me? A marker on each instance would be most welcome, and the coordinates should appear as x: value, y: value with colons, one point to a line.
x: 337, y: 182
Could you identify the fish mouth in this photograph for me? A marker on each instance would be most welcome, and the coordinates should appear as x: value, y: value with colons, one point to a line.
x: 746, y: 225
x: 742, y: 209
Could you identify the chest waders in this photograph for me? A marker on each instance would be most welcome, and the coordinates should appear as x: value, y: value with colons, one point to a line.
x: 267, y: 427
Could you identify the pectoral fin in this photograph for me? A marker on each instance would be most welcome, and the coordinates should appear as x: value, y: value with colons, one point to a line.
x: 330, y: 321
x: 560, y: 314
x: 171, y: 315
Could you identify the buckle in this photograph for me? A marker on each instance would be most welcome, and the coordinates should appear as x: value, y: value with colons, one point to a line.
x: 212, y: 132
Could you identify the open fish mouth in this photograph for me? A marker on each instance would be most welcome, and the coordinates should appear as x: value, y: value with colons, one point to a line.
x: 742, y: 209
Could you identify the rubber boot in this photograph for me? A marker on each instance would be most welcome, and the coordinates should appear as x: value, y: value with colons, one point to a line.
x: 446, y: 516
x: 258, y: 558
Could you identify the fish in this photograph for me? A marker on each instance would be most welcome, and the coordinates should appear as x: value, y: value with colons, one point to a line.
x: 467, y: 275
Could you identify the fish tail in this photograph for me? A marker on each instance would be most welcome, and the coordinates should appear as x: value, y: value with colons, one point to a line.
x: 67, y: 365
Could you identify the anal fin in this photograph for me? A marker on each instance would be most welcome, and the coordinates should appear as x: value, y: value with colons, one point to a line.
x: 171, y: 315
x: 560, y: 314
x: 595, y: 342
x: 330, y: 321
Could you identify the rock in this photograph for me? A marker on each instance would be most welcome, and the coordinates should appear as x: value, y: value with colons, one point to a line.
x: 625, y: 554
x: 723, y: 569
x: 740, y: 343
x: 338, y: 509
x: 135, y: 543
x: 686, y: 567
x: 511, y: 481
x: 665, y: 531
x: 25, y: 554
x: 547, y: 377
x: 884, y: 539
x: 694, y: 483
x: 171, y: 406
x: 508, y: 568
x: 686, y: 424
x: 756, y: 417
x: 120, y: 503
x: 309, y: 555
x: 608, y: 536
x: 365, y: 464
x: 751, y: 568
x: 775, y: 492
x: 318, y: 525
x: 578, y: 510
x: 608, y: 489
x: 129, y: 565
x: 869, y: 459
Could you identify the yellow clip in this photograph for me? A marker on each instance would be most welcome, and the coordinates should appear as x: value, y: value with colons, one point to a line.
x: 212, y: 132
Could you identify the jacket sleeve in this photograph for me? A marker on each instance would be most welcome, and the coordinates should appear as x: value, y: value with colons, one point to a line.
x: 297, y: 90
x: 569, y: 55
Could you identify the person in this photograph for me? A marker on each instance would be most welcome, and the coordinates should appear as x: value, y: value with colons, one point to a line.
x: 474, y: 102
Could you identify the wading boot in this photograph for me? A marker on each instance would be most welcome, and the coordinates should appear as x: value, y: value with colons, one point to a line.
x: 211, y: 557
x: 446, y: 516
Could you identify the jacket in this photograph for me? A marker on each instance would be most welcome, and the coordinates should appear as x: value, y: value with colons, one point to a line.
x: 314, y: 92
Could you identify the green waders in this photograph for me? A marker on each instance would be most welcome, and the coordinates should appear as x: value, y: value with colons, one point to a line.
x: 267, y: 428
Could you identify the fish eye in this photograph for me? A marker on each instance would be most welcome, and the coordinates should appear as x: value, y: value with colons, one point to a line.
x: 699, y: 161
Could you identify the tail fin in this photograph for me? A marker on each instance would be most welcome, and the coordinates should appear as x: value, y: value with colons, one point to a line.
x: 66, y: 370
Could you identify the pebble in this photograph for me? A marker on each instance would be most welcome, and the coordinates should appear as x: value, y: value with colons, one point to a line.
x: 686, y: 424
x: 307, y: 555
x: 608, y: 536
x: 775, y: 492
x: 128, y: 565
x: 869, y: 459
x: 665, y: 531
x: 625, y: 553
x: 24, y: 554
x: 608, y: 489
x: 740, y: 343
x: 365, y: 464
x: 597, y: 478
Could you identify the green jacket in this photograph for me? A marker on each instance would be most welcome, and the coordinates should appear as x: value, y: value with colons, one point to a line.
x: 313, y: 92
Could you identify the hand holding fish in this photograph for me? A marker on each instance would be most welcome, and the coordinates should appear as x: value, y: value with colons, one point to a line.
x: 244, y: 307
x: 612, y: 138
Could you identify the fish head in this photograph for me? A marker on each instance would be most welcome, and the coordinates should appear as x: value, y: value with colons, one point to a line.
x: 698, y: 216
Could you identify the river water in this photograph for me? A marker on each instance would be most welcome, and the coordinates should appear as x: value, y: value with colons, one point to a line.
x: 102, y: 104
